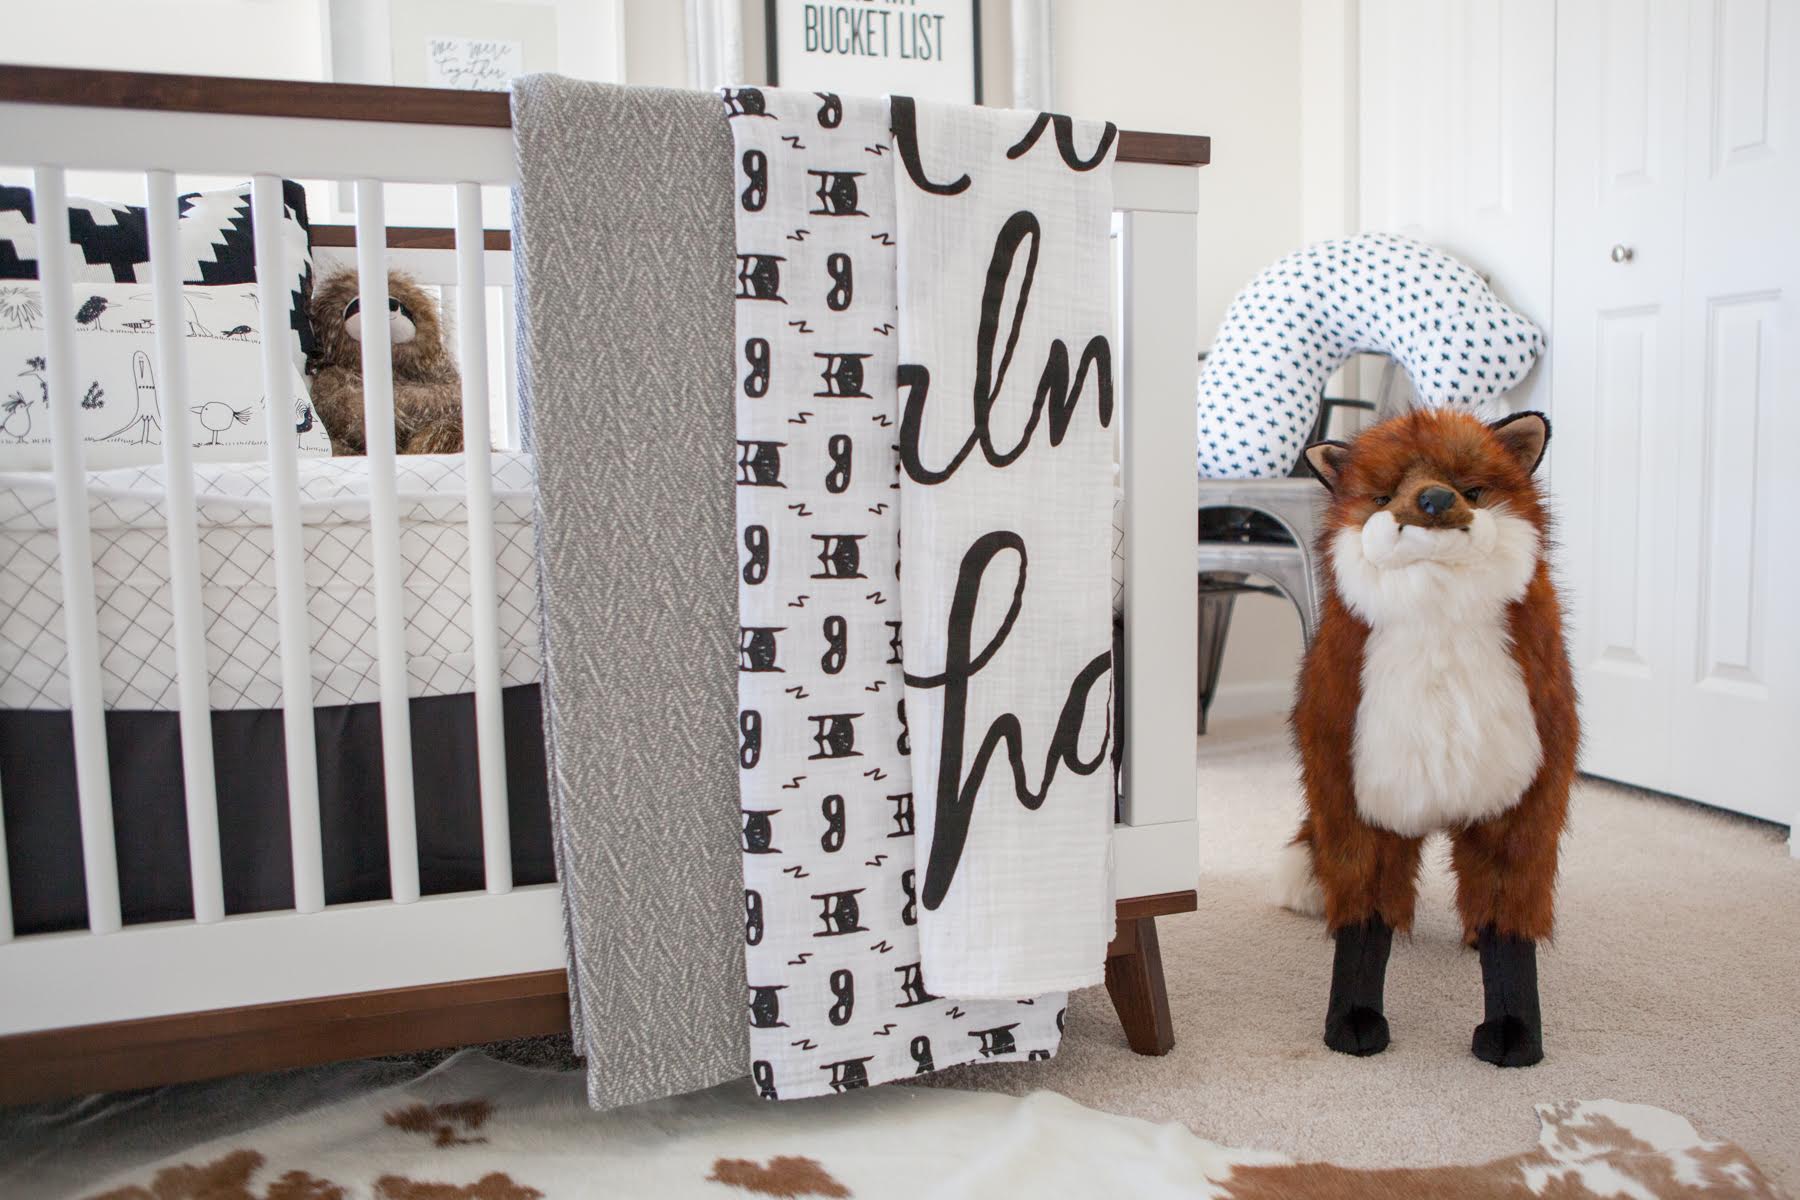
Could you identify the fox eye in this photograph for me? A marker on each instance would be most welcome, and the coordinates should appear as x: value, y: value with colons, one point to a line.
x: 1382, y: 501
x: 1473, y: 495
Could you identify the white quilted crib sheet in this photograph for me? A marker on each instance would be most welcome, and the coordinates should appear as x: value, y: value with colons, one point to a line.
x: 131, y: 579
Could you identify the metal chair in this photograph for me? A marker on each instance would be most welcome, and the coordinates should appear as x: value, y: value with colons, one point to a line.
x: 1265, y: 528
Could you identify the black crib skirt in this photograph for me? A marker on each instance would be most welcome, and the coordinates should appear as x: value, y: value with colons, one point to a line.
x: 43, y: 825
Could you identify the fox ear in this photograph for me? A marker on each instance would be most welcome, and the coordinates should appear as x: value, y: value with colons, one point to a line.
x: 1326, y: 460
x: 1525, y: 435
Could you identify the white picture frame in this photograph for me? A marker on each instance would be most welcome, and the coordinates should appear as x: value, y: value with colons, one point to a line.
x: 929, y: 52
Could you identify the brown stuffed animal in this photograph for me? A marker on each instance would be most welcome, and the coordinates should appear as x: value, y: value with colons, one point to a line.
x: 1436, y: 696
x: 427, y: 389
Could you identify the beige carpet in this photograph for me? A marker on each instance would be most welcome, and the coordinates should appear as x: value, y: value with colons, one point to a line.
x: 1674, y: 981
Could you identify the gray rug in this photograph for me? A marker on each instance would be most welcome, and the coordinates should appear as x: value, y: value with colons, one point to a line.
x: 623, y: 256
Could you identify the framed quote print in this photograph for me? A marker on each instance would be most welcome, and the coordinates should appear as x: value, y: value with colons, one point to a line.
x: 928, y: 49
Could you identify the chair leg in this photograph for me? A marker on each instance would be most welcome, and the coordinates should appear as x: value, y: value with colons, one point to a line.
x: 1215, y: 623
x: 1134, y: 979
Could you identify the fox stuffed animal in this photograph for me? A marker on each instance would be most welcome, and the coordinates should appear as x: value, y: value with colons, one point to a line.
x: 1436, y: 697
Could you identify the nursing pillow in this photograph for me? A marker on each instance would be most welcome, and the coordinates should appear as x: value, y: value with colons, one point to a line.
x: 1301, y: 318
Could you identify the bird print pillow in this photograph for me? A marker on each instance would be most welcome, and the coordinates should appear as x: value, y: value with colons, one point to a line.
x: 125, y: 407
x: 109, y: 242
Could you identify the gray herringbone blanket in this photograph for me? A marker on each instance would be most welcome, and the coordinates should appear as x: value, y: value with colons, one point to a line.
x: 623, y: 255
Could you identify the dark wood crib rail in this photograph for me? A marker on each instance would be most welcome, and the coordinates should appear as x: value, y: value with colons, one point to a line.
x: 367, y: 102
x: 185, y: 1047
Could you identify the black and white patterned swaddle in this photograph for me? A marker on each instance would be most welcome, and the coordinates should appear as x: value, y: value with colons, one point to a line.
x: 836, y: 995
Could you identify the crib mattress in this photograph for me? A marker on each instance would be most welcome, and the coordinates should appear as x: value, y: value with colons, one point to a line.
x: 131, y: 582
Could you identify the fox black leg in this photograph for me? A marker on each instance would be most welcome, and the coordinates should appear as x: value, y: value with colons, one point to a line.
x: 1513, y: 1033
x: 1353, y: 1020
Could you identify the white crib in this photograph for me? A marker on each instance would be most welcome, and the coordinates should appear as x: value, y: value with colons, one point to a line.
x: 126, y: 1005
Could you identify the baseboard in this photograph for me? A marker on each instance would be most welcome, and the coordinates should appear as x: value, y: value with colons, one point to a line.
x: 1252, y: 698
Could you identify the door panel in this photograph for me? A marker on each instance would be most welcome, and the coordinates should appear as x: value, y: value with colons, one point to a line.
x: 1676, y: 385
x: 1615, y: 364
x: 1624, y: 547
x: 1737, y: 603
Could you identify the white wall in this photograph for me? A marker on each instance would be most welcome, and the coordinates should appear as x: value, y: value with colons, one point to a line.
x: 1220, y: 67
x: 265, y: 39
x: 1232, y: 70
x: 262, y: 39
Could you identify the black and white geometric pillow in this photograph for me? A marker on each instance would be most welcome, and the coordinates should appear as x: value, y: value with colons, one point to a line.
x: 110, y: 243
x: 1298, y: 321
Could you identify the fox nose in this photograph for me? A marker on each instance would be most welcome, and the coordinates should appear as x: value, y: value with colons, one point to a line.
x: 1435, y: 500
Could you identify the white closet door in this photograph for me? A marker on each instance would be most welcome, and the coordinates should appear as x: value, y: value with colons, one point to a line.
x: 1674, y: 369
x: 1616, y: 368
x: 1737, y: 603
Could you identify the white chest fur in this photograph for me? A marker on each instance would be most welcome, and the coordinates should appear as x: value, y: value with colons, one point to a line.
x: 1444, y: 732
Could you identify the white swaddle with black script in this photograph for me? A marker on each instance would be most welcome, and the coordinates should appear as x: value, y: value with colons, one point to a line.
x: 837, y: 996
x: 1006, y: 399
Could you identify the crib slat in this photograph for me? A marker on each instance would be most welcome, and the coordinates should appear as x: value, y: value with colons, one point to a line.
x: 484, y: 607
x: 99, y: 855
x: 6, y: 920
x: 384, y: 527
x: 273, y: 288
x: 509, y: 339
x: 192, y: 681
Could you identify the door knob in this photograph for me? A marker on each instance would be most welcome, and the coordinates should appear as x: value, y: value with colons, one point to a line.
x: 1622, y: 254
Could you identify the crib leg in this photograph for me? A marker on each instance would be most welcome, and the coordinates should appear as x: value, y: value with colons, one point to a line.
x: 1134, y: 979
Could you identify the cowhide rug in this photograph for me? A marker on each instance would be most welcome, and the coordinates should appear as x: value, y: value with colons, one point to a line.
x: 477, y: 1129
